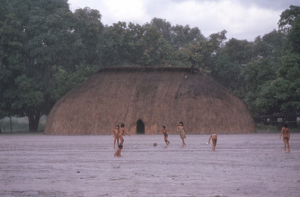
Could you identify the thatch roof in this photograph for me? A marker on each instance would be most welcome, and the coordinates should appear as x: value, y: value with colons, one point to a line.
x: 156, y: 95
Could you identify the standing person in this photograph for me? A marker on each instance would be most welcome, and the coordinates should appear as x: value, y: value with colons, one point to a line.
x: 165, y: 132
x: 213, y: 138
x: 285, y: 131
x: 181, y: 131
x: 116, y: 135
x: 122, y: 133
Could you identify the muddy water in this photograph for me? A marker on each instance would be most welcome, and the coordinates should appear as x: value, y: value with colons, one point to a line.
x: 242, y: 165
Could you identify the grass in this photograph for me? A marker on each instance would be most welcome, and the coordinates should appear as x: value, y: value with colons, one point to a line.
x: 19, y: 125
x: 260, y: 126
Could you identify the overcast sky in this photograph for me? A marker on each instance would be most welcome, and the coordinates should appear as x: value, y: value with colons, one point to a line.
x: 243, y: 19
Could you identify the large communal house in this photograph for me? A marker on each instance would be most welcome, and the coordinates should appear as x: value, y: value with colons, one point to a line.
x: 147, y: 98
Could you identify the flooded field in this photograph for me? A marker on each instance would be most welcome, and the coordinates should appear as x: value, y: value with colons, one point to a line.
x: 242, y: 165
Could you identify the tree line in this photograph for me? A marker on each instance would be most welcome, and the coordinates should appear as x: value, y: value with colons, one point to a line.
x: 46, y: 50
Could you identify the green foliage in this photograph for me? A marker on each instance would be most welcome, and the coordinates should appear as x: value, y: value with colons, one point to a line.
x: 287, y: 85
x: 37, y: 38
x: 198, y: 53
x: 274, y: 89
x: 163, y: 27
x: 288, y: 16
x: 290, y: 23
x: 182, y: 35
x: 87, y: 31
x: 256, y: 74
x: 65, y: 81
x: 294, y: 36
x: 134, y: 44
x: 46, y: 50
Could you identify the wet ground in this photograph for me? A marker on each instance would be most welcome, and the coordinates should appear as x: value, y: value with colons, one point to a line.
x: 242, y: 165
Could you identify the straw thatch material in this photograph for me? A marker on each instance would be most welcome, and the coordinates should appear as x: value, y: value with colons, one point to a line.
x: 158, y: 96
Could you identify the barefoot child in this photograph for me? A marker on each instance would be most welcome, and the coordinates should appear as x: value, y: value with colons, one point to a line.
x: 118, y: 152
x: 181, y: 131
x: 122, y: 133
x: 116, y: 135
x: 165, y: 132
x: 286, y: 137
x: 213, y: 138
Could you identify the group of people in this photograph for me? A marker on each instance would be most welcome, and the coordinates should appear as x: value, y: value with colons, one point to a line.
x: 181, y: 131
x: 118, y: 137
x: 119, y: 133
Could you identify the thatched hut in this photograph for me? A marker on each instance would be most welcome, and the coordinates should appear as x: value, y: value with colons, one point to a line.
x: 145, y: 98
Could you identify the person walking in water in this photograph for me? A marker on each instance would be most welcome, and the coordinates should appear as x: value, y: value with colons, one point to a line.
x: 165, y: 132
x: 213, y: 138
x: 285, y: 131
x: 181, y: 131
x: 122, y: 133
x: 116, y: 135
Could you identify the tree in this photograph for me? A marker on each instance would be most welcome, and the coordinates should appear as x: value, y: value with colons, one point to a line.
x: 273, y: 89
x: 162, y: 26
x: 134, y: 44
x: 87, y: 28
x: 228, y: 73
x: 258, y: 75
x: 290, y: 23
x: 183, y: 35
x: 199, y: 52
x: 287, y: 85
x: 10, y: 48
x: 154, y: 49
x: 111, y: 45
x: 38, y: 41
x: 294, y: 36
x: 287, y: 18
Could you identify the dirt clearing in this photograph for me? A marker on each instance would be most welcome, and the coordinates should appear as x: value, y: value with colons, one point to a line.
x: 242, y: 165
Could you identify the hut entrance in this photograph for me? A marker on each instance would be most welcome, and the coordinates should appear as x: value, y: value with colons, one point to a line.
x: 140, y: 127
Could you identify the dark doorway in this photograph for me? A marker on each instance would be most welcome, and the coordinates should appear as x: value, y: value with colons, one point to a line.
x: 140, y: 127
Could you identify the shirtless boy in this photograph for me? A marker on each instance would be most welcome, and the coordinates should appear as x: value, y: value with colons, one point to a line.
x: 118, y: 152
x: 213, y: 138
x: 116, y: 135
x: 165, y: 132
x: 122, y: 133
x: 286, y: 137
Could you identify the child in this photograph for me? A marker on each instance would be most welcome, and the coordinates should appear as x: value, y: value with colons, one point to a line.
x: 122, y: 133
x: 116, y: 135
x: 286, y: 137
x: 165, y: 132
x: 213, y: 138
x: 181, y: 131
x: 118, y: 152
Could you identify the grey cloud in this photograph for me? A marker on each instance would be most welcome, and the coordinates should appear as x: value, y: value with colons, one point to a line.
x: 269, y: 4
x: 165, y: 9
